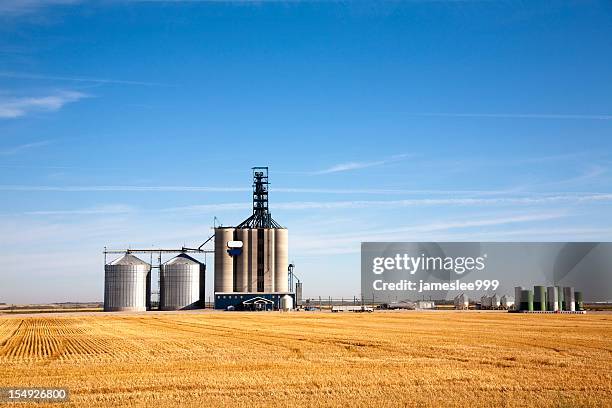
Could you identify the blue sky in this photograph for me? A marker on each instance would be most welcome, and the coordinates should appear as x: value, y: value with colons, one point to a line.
x: 135, y: 123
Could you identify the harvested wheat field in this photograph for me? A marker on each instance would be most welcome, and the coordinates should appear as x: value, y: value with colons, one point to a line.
x: 429, y: 359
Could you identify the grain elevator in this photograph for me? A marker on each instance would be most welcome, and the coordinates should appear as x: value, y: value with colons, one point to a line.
x: 251, y: 259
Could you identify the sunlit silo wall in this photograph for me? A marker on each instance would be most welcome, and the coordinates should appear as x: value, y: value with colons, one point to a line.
x: 180, y: 283
x: 224, y: 263
x: 281, y: 260
x: 241, y: 283
x: 126, y: 283
x: 260, y: 266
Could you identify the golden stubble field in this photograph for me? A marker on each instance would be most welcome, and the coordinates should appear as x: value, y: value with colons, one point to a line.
x: 300, y: 359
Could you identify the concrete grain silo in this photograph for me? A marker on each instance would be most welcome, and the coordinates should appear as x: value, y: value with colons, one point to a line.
x: 181, y: 283
x: 127, y: 283
x: 252, y: 258
x: 224, y: 263
x: 281, y: 260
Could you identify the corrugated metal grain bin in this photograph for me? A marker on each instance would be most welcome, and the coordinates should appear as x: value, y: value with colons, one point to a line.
x: 180, y: 283
x: 127, y: 281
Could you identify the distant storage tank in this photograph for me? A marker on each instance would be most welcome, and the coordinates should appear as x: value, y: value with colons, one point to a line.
x: 579, y: 300
x: 495, y: 302
x: 298, y: 293
x: 462, y: 302
x: 224, y: 263
x: 552, y: 298
x: 127, y: 281
x: 286, y: 302
x: 517, y: 297
x: 181, y: 283
x: 561, y: 298
x: 485, y: 302
x: 526, y: 300
x: 539, y: 298
x: 568, y: 296
x: 507, y: 302
x: 281, y: 260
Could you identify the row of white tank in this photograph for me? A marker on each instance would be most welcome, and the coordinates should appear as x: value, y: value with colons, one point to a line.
x: 127, y: 284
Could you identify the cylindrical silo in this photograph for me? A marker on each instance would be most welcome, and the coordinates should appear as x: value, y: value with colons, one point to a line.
x: 286, y: 302
x: 281, y: 260
x: 253, y: 260
x: 179, y: 283
x: 539, y: 298
x: 552, y: 298
x: 561, y: 298
x: 125, y: 284
x: 568, y: 295
x: 242, y: 261
x: 224, y: 263
x: 579, y: 300
x: 517, y: 297
x: 495, y: 301
x: 527, y: 300
x: 269, y: 235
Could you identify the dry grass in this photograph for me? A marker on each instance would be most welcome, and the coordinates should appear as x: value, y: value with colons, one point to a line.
x: 303, y: 359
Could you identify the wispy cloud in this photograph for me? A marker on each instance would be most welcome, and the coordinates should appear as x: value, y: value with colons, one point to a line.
x: 15, y: 107
x: 390, y: 204
x: 17, y: 149
x: 19, y: 7
x: 331, y: 191
x: 341, y: 167
x: 16, y: 75
x: 518, y: 116
x: 123, y: 188
x: 349, y: 242
x: 98, y: 210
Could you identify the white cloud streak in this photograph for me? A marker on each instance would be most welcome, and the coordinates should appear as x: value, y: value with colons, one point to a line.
x: 518, y: 116
x: 26, y: 146
x: 11, y: 108
x: 342, y: 167
x: 16, y: 75
x: 20, y: 7
x: 389, y: 204
x: 98, y: 210
x: 328, y: 244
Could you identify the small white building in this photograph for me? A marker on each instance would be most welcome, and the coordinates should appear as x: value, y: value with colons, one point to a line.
x: 424, y: 305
